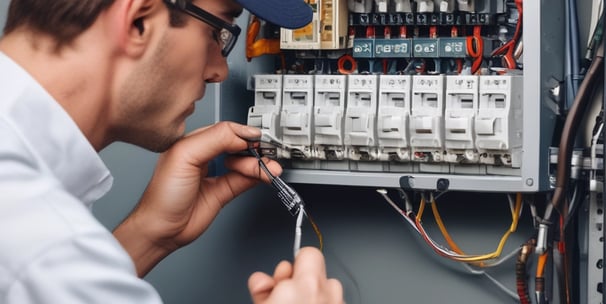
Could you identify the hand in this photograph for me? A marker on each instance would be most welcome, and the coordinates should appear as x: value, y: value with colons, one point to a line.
x: 305, y: 282
x: 180, y: 201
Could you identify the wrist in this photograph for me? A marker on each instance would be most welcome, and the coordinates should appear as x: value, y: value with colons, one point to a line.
x: 145, y: 251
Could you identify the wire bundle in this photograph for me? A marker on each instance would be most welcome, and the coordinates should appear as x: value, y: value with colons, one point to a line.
x: 454, y: 252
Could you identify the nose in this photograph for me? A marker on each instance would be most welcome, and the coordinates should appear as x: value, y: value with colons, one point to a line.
x: 217, y: 69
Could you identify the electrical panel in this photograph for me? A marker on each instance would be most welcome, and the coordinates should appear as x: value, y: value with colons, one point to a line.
x: 423, y: 95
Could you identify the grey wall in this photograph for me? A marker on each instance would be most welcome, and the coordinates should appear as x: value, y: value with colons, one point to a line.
x: 3, y: 10
x: 368, y: 246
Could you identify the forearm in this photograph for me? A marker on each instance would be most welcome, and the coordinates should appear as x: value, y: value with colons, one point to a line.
x: 145, y: 253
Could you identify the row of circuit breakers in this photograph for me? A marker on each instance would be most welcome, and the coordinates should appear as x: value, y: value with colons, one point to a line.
x: 461, y: 119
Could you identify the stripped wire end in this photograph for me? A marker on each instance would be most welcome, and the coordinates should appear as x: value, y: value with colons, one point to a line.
x: 287, y: 195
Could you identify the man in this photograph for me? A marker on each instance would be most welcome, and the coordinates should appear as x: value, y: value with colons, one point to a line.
x: 76, y: 76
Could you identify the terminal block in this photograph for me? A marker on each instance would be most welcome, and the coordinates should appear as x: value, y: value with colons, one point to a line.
x: 498, y: 126
x: 461, y: 108
x: 296, y: 114
x: 265, y: 113
x: 427, y: 118
x: 392, y: 117
x: 360, y: 117
x: 329, y: 110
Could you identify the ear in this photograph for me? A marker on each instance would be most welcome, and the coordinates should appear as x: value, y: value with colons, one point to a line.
x: 136, y: 23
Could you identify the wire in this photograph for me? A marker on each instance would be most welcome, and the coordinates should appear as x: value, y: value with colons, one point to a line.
x: 314, y: 226
x: 521, y: 274
x: 508, y: 49
x: 291, y: 199
x: 415, y: 222
x: 475, y: 48
x: 515, y: 214
x: 493, y: 280
x: 573, y: 119
x: 421, y: 208
x: 298, y: 231
x: 451, y: 243
x: 344, y: 61
x: 408, y: 216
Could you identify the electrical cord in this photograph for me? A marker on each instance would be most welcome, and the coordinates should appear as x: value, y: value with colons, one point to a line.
x: 573, y: 119
x: 521, y: 273
x: 539, y: 282
x: 571, y: 124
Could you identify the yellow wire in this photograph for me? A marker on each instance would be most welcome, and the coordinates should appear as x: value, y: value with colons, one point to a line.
x: 421, y: 208
x: 515, y: 214
x: 316, y: 230
x: 451, y: 243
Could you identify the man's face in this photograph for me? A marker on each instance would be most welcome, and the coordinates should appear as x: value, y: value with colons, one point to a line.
x: 161, y: 91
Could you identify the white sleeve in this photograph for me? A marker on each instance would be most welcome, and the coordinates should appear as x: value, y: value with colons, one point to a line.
x: 87, y: 269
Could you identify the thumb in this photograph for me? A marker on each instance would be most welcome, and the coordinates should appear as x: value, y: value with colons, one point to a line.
x: 260, y: 286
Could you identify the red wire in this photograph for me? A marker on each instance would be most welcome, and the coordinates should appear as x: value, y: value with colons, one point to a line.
x: 508, y: 48
x: 475, y: 48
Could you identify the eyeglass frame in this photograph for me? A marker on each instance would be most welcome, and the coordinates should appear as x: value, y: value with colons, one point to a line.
x: 210, y: 19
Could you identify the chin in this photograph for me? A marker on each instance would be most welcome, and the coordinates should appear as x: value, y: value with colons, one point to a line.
x: 158, y: 142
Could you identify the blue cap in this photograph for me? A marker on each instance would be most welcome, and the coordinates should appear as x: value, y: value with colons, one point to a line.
x: 291, y: 14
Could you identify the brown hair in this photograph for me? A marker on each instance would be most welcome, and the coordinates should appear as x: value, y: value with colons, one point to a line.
x: 63, y: 20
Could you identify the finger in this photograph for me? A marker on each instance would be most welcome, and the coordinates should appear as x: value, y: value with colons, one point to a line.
x: 196, y: 131
x: 249, y: 166
x: 309, y: 261
x: 260, y: 286
x: 228, y: 186
x: 283, y: 271
x: 205, y: 144
x: 335, y: 291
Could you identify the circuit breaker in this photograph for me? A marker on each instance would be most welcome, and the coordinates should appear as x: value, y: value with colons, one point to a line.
x: 329, y: 111
x: 393, y: 116
x: 265, y: 113
x: 417, y: 92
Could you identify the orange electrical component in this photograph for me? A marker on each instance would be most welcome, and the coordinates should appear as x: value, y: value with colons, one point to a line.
x: 344, y: 61
x: 257, y: 47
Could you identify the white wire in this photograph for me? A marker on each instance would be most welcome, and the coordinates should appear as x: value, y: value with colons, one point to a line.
x: 445, y: 251
x: 437, y: 247
x: 494, y: 281
x: 594, y: 144
x: 298, y: 231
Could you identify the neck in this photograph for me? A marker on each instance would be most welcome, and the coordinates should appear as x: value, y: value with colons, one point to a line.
x: 77, y: 77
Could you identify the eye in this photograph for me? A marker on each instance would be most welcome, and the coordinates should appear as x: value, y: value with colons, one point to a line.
x: 224, y: 37
x: 216, y: 35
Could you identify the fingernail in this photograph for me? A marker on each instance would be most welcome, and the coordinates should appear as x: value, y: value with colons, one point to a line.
x: 252, y: 132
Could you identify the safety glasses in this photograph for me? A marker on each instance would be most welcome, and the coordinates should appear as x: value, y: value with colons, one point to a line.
x: 227, y: 33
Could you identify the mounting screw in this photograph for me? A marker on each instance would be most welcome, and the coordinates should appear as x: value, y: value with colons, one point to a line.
x: 529, y: 182
x: 442, y: 184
